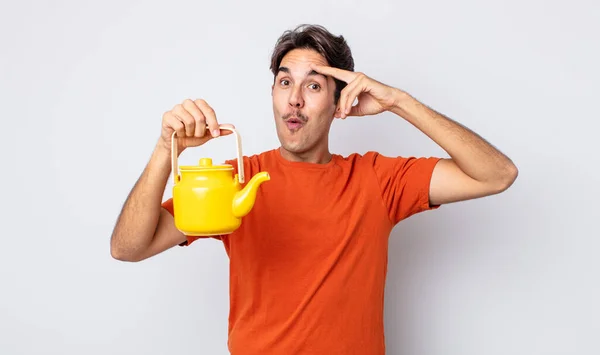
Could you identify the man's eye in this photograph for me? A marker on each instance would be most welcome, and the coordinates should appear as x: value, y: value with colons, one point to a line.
x: 284, y: 82
x: 315, y: 86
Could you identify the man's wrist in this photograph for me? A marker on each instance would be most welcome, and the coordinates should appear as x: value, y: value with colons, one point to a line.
x: 161, y: 152
x: 403, y: 102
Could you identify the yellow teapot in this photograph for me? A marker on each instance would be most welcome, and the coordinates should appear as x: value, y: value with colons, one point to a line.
x: 208, y: 199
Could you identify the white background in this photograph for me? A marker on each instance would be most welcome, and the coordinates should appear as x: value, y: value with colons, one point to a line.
x: 83, y: 87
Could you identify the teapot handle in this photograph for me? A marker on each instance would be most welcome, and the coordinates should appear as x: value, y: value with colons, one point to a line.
x: 238, y: 141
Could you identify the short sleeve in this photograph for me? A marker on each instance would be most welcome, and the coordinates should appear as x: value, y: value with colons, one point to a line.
x: 404, y: 184
x: 168, y: 205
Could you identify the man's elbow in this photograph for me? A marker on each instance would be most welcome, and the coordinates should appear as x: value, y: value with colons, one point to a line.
x: 123, y: 254
x: 507, y: 178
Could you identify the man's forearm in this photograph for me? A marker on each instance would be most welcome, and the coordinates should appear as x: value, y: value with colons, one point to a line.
x: 139, y: 217
x: 471, y: 153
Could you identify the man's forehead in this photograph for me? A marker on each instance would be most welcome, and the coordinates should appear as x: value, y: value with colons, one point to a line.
x: 303, y: 56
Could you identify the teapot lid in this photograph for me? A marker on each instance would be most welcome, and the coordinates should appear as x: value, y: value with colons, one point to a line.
x: 205, y: 164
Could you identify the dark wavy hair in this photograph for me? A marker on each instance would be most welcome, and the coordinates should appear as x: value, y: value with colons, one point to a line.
x: 334, y: 48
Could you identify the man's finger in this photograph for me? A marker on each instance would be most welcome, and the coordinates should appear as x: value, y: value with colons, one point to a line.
x: 224, y: 131
x: 356, y: 111
x: 185, y: 117
x: 337, y: 73
x: 199, y: 118
x: 177, y: 125
x: 343, y: 97
x: 348, y: 95
x: 352, y: 96
x: 211, y: 117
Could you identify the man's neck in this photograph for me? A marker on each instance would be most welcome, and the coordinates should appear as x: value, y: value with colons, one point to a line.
x: 318, y: 156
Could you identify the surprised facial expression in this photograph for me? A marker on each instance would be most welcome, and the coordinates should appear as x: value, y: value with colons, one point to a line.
x: 303, y: 102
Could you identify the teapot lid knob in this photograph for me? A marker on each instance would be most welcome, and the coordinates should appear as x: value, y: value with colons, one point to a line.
x: 205, y: 162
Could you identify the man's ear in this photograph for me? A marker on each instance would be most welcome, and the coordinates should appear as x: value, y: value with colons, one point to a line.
x: 336, y: 107
x: 337, y: 113
x: 272, y: 88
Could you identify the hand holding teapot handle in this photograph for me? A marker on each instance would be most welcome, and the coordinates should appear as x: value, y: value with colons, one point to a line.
x: 194, y: 122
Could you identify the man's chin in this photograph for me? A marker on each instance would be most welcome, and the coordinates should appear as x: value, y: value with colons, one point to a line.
x: 293, y: 147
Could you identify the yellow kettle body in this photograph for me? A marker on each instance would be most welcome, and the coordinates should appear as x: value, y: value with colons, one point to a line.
x: 208, y: 199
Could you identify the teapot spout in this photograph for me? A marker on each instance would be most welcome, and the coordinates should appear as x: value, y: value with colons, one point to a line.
x: 243, y: 201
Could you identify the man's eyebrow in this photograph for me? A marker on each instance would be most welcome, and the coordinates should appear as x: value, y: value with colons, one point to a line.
x: 310, y: 73
x: 283, y: 69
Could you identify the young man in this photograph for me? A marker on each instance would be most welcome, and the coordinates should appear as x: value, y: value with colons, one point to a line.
x: 308, y: 264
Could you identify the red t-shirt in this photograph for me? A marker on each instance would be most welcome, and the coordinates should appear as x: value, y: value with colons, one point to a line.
x: 308, y: 264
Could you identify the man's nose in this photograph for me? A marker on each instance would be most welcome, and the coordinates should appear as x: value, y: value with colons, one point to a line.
x: 296, y: 99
